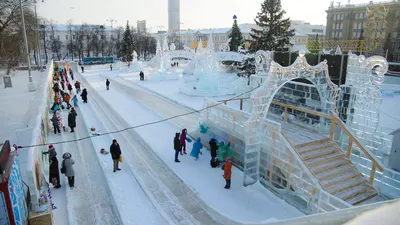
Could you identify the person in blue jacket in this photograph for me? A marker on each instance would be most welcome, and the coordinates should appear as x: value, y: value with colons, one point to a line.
x: 196, y: 149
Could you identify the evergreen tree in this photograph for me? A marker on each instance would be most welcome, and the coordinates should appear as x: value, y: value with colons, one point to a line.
x: 127, y: 46
x: 274, y: 33
x: 236, y: 36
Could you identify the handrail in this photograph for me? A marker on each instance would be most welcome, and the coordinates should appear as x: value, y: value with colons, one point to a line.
x: 309, y: 111
x: 353, y: 139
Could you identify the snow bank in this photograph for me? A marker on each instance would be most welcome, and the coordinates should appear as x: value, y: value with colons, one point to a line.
x: 36, y: 163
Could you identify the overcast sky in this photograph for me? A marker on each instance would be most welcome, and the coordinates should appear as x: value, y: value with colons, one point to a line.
x: 195, y: 14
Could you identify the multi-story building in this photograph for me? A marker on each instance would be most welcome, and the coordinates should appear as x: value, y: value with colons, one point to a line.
x: 141, y: 26
x: 190, y: 38
x: 348, y: 22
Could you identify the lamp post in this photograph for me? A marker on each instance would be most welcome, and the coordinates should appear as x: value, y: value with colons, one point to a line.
x: 37, y: 37
x: 179, y: 27
x: 31, y: 86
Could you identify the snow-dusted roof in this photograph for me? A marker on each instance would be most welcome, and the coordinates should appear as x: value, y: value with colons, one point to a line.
x: 65, y: 27
x: 308, y: 29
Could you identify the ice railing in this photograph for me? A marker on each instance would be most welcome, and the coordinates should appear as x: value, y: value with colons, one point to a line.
x: 289, y: 174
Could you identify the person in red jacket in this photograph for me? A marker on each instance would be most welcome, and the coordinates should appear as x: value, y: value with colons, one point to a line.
x: 227, y: 167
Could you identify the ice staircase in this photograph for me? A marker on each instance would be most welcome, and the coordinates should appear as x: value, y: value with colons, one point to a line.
x: 329, y: 164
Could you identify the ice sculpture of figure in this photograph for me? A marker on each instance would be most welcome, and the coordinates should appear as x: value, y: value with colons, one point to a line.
x: 134, y: 56
x: 172, y: 47
x: 158, y: 49
x: 200, y: 49
x: 210, y: 45
x: 225, y: 47
x: 338, y: 51
x: 165, y: 45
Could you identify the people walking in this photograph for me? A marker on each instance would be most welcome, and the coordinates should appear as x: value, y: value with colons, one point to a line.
x: 54, y: 173
x: 69, y: 88
x: 83, y: 69
x: 69, y: 169
x: 213, y: 150
x: 67, y: 99
x: 183, y: 141
x: 108, y: 84
x: 51, y: 152
x: 55, y: 122
x: 111, y: 67
x: 72, y: 121
x: 84, y: 95
x: 77, y: 87
x: 141, y: 74
x: 75, y: 100
x: 115, y: 151
x: 177, y: 147
x: 227, y: 167
x: 196, y: 150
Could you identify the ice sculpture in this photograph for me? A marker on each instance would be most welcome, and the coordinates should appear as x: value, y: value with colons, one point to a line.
x: 165, y: 45
x: 338, y: 51
x: 225, y: 47
x: 200, y: 49
x: 172, y: 47
x: 364, y: 78
x: 210, y: 45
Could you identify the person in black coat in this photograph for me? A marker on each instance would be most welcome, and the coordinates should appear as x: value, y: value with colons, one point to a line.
x: 72, y: 121
x: 69, y: 88
x: 54, y: 173
x: 107, y: 84
x: 84, y: 95
x: 115, y: 151
x: 213, y: 151
x: 141, y: 74
x: 56, y: 88
x: 177, y: 147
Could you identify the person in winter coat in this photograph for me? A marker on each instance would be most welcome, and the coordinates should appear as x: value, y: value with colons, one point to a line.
x: 183, y: 141
x: 52, y: 152
x: 69, y: 88
x: 72, y: 74
x: 196, y: 150
x: 111, y: 67
x: 56, y: 88
x: 74, y: 112
x: 177, y: 147
x: 227, y: 167
x: 213, y: 151
x: 77, y: 87
x: 67, y: 99
x: 62, y: 85
x: 83, y: 69
x: 84, y: 95
x: 55, y: 122
x: 141, y: 74
x: 108, y: 83
x: 54, y: 173
x: 115, y: 151
x: 71, y: 121
x: 68, y: 163
x: 224, y: 151
x: 55, y: 106
x: 75, y: 101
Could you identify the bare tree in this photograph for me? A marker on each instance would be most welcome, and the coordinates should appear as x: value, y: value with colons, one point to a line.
x: 55, y: 43
x: 80, y: 33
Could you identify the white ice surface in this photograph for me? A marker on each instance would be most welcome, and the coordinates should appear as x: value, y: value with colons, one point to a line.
x: 253, y: 203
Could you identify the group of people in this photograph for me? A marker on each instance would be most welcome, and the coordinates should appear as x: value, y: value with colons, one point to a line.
x: 220, y: 152
x: 175, y: 64
x: 66, y: 168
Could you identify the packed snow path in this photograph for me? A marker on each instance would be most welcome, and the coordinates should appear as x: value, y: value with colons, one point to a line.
x: 174, y: 200
x: 89, y: 202
x: 253, y: 204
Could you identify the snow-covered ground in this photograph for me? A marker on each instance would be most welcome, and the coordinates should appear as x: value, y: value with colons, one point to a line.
x: 253, y: 203
x: 19, y: 108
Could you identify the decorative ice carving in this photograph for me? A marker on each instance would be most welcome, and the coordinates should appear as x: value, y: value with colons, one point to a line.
x: 225, y: 47
x: 158, y: 49
x: 210, y: 44
x: 364, y: 78
x: 263, y: 61
x: 165, y: 45
x: 172, y: 47
x: 200, y: 49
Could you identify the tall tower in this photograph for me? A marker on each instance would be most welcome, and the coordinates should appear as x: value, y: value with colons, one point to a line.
x: 174, y: 15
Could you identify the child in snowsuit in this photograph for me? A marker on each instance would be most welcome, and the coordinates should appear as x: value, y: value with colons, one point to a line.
x: 183, y: 141
x: 227, y: 167
x: 77, y: 87
x: 197, y: 146
x: 177, y: 147
x: 75, y: 100
x: 67, y: 98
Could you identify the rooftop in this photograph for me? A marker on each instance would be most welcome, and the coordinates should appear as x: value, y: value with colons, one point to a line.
x: 362, y: 5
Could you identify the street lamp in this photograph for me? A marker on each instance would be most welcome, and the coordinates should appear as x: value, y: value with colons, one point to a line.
x: 31, y: 85
x: 179, y: 27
